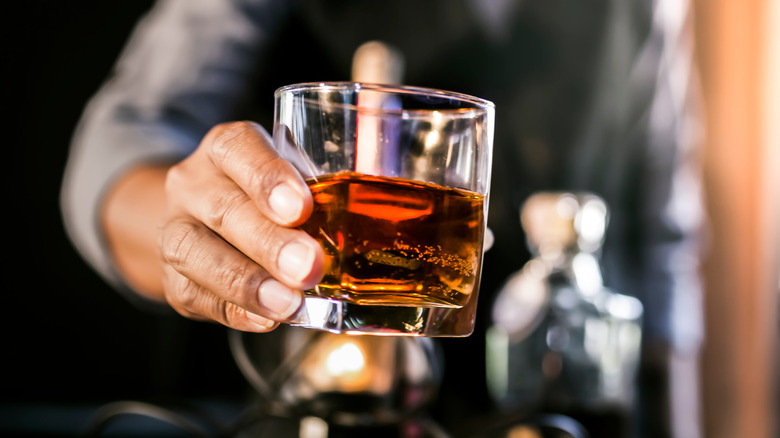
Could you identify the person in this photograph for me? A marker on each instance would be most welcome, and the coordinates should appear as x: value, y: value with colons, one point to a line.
x: 175, y: 195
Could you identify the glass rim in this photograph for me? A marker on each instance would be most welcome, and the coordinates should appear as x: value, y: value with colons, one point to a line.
x: 480, y: 105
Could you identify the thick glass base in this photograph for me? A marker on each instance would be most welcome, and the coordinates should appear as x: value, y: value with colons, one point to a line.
x: 344, y: 317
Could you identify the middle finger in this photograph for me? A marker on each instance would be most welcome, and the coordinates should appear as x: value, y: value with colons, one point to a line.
x: 290, y: 255
x: 206, y: 259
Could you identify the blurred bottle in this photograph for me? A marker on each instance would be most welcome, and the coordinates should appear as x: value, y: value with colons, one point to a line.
x: 561, y: 342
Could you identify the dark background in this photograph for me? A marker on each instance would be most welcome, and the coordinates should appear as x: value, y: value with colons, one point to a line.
x: 71, y: 344
x: 68, y: 338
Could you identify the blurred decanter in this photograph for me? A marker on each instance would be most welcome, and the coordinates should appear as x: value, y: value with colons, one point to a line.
x: 560, y: 341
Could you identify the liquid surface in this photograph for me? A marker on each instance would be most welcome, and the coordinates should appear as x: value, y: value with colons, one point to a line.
x: 392, y: 241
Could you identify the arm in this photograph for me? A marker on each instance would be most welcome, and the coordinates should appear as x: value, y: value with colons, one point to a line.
x: 133, y: 210
x: 185, y: 69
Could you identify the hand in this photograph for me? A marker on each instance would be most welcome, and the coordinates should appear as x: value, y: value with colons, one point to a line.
x: 230, y: 251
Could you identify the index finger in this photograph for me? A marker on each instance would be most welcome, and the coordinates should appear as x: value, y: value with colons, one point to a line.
x: 244, y: 152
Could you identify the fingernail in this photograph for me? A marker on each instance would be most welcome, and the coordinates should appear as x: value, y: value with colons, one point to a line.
x: 260, y: 321
x: 278, y: 298
x: 295, y: 260
x: 286, y: 202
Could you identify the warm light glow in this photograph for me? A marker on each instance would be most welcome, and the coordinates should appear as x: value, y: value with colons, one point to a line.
x: 436, y: 118
x: 432, y: 139
x: 346, y: 359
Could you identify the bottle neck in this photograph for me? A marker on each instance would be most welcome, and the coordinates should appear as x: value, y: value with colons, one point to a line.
x: 581, y: 268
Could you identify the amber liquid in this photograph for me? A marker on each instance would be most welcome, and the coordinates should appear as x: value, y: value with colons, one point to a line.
x: 390, y: 241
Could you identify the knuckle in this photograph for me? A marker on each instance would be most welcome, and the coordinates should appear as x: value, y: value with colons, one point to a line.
x: 237, y: 279
x: 222, y: 206
x: 219, y: 311
x: 178, y: 243
x: 266, y: 238
x: 174, y: 177
x: 188, y: 295
x: 225, y: 137
x: 258, y: 172
x: 231, y: 315
x: 182, y: 294
x: 269, y: 173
